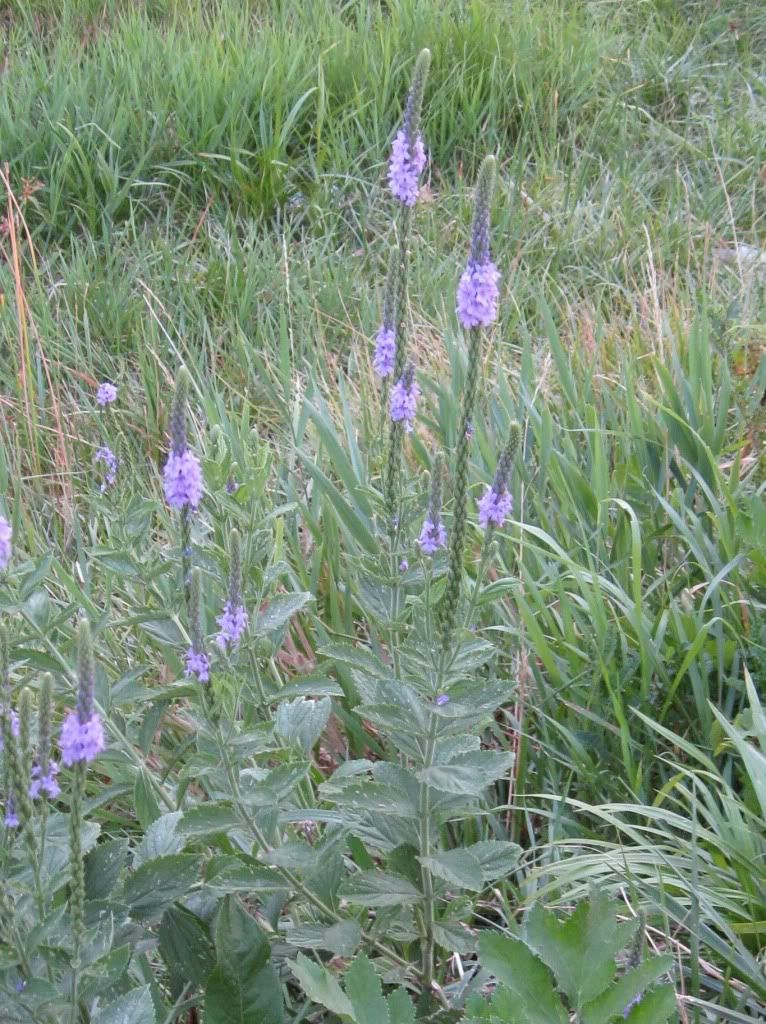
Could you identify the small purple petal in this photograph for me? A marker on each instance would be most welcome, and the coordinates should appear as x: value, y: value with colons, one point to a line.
x: 385, y: 351
x: 81, y: 740
x: 106, y: 394
x: 183, y: 480
x: 494, y: 508
x: 478, y: 294
x: 233, y: 622
x: 441, y: 700
x: 405, y: 168
x: 198, y: 664
x: 432, y: 537
x: 6, y: 533
x: 404, y: 400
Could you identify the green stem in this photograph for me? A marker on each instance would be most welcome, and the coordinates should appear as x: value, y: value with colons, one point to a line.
x: 425, y: 851
x: 77, y: 867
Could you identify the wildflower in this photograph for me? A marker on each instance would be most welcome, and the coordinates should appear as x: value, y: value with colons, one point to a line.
x: 478, y: 294
x: 106, y: 455
x: 183, y: 479
x: 14, y: 720
x: 432, y: 537
x: 404, y: 398
x: 231, y: 486
x: 82, y: 734
x: 44, y: 783
x: 497, y: 503
x: 385, y: 351
x: 408, y: 158
x: 81, y: 739
x: 5, y: 542
x: 233, y: 622
x: 198, y: 664
x: 479, y: 255
x: 441, y: 700
x: 404, y: 565
x: 11, y: 819
x: 106, y: 394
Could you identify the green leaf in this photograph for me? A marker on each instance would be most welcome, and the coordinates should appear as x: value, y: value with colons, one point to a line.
x: 458, y: 867
x: 102, y: 868
x: 147, y: 808
x: 469, y: 774
x: 401, y: 1008
x: 613, y: 1001
x: 185, y: 944
x: 280, y: 610
x: 322, y: 987
x: 378, y: 889
x: 515, y: 966
x: 160, y: 839
x: 497, y: 858
x: 104, y: 973
x: 655, y: 1007
x: 244, y: 987
x: 207, y: 820
x: 302, y: 721
x: 364, y: 990
x: 579, y: 949
x: 158, y: 883
x: 134, y: 1007
x: 228, y: 873
x: 341, y: 939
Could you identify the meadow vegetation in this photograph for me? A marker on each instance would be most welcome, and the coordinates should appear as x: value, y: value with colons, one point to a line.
x: 195, y: 203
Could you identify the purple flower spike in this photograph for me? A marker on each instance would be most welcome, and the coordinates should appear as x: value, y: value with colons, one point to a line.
x: 11, y: 819
x: 478, y: 294
x: 14, y: 718
x: 183, y: 479
x: 441, y: 700
x: 6, y: 534
x: 106, y: 394
x: 494, y: 507
x: 233, y: 623
x: 198, y: 664
x: 81, y: 740
x: 406, y: 166
x: 404, y: 399
x: 106, y: 456
x: 385, y: 351
x: 432, y: 537
x: 45, y: 783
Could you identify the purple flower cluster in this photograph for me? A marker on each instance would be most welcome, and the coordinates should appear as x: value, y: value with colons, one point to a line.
x: 81, y: 739
x: 106, y: 394
x: 494, y: 507
x: 183, y: 479
x: 385, y: 351
x: 478, y: 294
x: 45, y: 783
x: 105, y: 455
x: 233, y: 623
x: 6, y: 534
x: 14, y: 719
x: 404, y: 399
x: 432, y: 537
x: 406, y: 166
x: 11, y: 819
x: 198, y: 664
